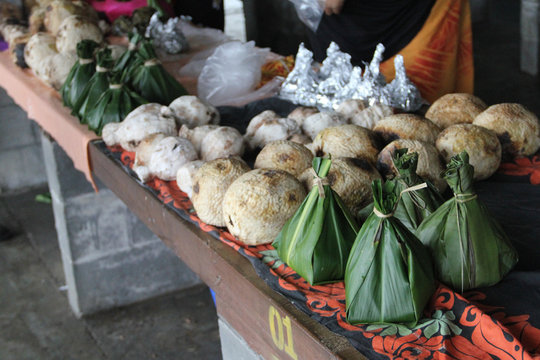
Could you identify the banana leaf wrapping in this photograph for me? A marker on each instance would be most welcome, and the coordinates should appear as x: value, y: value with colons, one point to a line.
x: 413, y: 206
x: 80, y: 73
x: 128, y: 60
x: 96, y: 86
x: 468, y: 246
x: 113, y: 105
x: 389, y: 276
x: 151, y: 80
x: 317, y: 240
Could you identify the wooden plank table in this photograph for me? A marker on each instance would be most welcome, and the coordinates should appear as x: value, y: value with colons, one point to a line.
x: 271, y: 325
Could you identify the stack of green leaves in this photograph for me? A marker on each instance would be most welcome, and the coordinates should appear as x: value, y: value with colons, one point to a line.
x: 414, y: 206
x: 128, y: 60
x: 468, y: 246
x: 113, y: 105
x: 317, y: 240
x: 389, y: 275
x: 80, y: 73
x: 96, y: 86
x: 151, y: 80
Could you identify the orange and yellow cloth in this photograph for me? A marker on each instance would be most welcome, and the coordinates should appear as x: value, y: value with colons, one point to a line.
x: 439, y: 59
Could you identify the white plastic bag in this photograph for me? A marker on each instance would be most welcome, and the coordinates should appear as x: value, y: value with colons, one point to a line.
x: 233, y: 70
x: 309, y: 12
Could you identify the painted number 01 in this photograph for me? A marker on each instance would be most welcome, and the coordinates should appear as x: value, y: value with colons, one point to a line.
x: 279, y: 327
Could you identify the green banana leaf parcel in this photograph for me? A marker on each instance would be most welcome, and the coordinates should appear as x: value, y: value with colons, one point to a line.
x: 150, y: 79
x: 389, y: 276
x: 80, y: 73
x: 469, y: 248
x: 413, y: 206
x: 96, y: 86
x: 128, y: 60
x: 316, y: 241
x: 113, y: 105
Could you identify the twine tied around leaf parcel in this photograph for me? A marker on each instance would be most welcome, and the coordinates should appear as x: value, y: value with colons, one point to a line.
x: 319, y: 182
x: 391, y: 213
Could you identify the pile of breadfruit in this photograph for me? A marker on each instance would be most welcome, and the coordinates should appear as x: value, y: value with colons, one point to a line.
x: 184, y: 142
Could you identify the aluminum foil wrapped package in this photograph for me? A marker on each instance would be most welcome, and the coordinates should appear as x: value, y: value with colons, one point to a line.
x: 337, y: 80
x: 167, y: 36
x: 301, y: 84
x: 402, y: 92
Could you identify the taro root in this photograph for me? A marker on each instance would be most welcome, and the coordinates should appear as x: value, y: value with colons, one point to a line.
x: 350, y: 108
x: 315, y: 123
x: 58, y: 10
x: 74, y: 29
x: 272, y: 130
x: 351, y: 179
x: 185, y: 176
x: 257, y: 121
x: 142, y: 122
x: 300, y: 139
x: 458, y: 108
x: 210, y: 184
x: 196, y: 135
x: 429, y: 163
x: 167, y: 156
x: 11, y: 32
x: 371, y: 115
x: 54, y: 69
x: 516, y: 127
x: 346, y: 141
x: 145, y: 149
x: 192, y: 111
x: 481, y: 144
x: 222, y: 142
x: 284, y: 155
x: 39, y: 47
x: 301, y: 113
x: 406, y: 126
x: 258, y: 203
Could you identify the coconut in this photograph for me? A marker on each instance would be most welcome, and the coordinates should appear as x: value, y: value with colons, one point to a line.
x: 196, y: 135
x: 346, y: 141
x: 350, y: 108
x: 351, y: 179
x: 301, y: 113
x: 39, y: 47
x: 142, y: 122
x: 371, y: 115
x: 74, y: 29
x: 481, y: 144
x: 192, y: 111
x: 429, y: 162
x: 518, y: 129
x: 407, y: 126
x: 185, y: 176
x: 167, y: 156
x: 284, y: 155
x: 451, y: 109
x: 222, y: 142
x: 315, y: 123
x: 210, y: 184
x: 258, y: 203
x: 272, y: 130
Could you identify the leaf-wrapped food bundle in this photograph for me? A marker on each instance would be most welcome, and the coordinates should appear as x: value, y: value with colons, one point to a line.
x: 151, y: 80
x: 389, y: 276
x: 80, y: 73
x: 113, y: 105
x: 96, y: 86
x: 469, y: 247
x: 128, y: 60
x: 316, y: 241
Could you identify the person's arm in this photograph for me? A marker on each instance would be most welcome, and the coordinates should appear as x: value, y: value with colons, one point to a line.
x: 333, y: 6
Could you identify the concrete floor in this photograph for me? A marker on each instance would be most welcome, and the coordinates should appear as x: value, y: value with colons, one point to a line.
x: 36, y: 321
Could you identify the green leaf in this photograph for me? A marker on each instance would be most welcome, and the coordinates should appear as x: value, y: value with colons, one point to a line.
x: 317, y: 240
x: 389, y: 274
x: 468, y: 246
